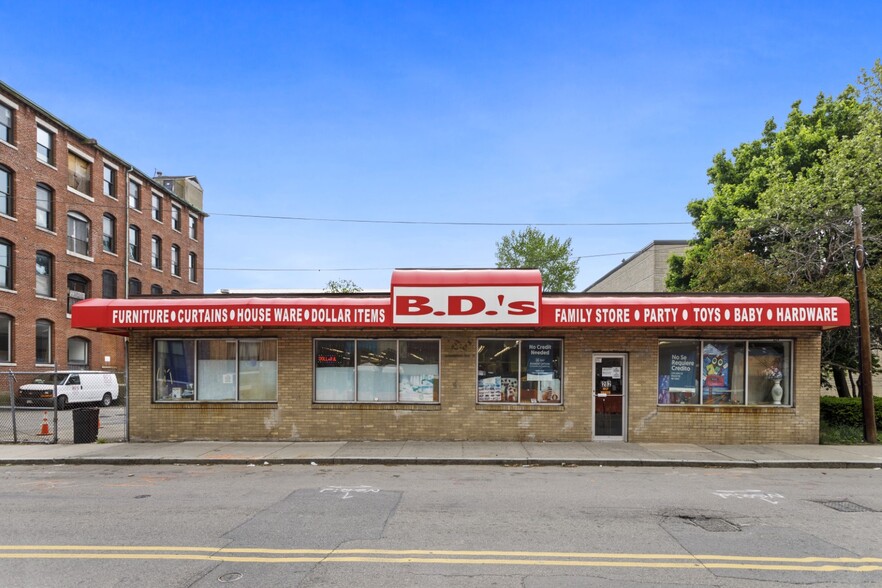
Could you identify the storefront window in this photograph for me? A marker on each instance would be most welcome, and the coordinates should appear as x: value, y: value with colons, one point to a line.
x: 719, y: 372
x: 258, y: 370
x: 376, y: 370
x: 216, y: 370
x: 524, y: 371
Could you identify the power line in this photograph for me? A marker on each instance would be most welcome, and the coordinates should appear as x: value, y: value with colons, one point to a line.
x: 444, y: 223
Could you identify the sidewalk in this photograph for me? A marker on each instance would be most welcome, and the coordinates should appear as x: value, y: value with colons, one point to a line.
x: 513, y: 453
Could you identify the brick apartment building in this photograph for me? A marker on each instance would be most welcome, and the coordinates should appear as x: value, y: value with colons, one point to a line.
x: 77, y: 221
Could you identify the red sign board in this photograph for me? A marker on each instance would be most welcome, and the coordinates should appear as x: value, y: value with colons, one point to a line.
x: 463, y: 298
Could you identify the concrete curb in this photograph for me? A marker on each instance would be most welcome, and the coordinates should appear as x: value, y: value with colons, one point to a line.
x: 483, y: 461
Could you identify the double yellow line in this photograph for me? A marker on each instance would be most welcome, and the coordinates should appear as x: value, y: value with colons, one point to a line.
x: 445, y: 557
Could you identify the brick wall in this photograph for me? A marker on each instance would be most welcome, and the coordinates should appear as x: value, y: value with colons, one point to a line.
x: 458, y: 416
x: 19, y: 228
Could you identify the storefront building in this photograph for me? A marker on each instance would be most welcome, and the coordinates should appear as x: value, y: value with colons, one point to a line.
x: 473, y: 355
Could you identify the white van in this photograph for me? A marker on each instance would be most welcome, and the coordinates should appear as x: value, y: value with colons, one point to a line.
x: 72, y: 387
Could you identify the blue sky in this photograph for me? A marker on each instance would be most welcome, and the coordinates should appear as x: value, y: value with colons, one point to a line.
x: 499, y: 112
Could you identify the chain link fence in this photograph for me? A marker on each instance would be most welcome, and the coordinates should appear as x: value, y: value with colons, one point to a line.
x: 63, y: 406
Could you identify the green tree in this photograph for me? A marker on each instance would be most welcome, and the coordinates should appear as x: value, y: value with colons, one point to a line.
x: 342, y: 287
x: 780, y: 214
x: 531, y: 248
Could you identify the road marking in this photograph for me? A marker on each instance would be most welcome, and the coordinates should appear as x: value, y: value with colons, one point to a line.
x: 766, y: 496
x: 347, y: 491
x: 446, y: 557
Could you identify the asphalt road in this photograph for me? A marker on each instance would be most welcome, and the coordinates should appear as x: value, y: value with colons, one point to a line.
x: 437, y: 526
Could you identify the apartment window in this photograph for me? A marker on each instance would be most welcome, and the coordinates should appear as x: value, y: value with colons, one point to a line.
x: 108, y: 284
x: 134, y: 195
x: 45, y: 207
x: 108, y: 237
x: 77, y: 289
x: 109, y: 181
x: 43, y: 342
x: 725, y: 372
x: 376, y: 370
x: 6, y: 252
x: 5, y: 338
x: 520, y: 371
x: 134, y: 243
x: 6, y: 201
x: 176, y: 217
x: 176, y: 260
x: 192, y: 226
x: 78, y: 234
x: 156, y: 252
x: 45, y: 145
x: 156, y: 207
x: 134, y: 287
x: 192, y: 266
x: 156, y: 290
x: 7, y: 119
x: 216, y: 370
x: 45, y: 285
x: 78, y: 352
x: 79, y: 173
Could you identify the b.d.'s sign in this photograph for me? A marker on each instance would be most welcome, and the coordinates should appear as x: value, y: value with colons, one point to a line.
x: 463, y: 298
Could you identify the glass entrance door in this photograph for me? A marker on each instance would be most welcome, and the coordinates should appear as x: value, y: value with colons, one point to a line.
x: 609, y: 394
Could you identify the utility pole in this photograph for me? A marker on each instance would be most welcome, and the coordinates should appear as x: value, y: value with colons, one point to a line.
x: 866, y: 363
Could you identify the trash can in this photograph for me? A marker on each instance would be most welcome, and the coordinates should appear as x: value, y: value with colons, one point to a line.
x: 85, y: 425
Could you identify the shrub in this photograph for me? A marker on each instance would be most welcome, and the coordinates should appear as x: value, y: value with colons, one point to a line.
x: 847, y: 412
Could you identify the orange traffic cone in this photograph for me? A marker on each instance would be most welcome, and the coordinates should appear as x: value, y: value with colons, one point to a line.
x: 44, y: 428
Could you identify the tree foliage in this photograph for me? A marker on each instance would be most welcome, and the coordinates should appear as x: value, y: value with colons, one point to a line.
x: 342, y: 287
x: 531, y: 248
x: 780, y: 214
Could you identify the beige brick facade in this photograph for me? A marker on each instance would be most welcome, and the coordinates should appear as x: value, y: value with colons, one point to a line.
x: 295, y: 417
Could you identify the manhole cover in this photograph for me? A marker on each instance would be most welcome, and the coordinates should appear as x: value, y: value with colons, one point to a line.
x: 230, y: 577
x: 844, y: 506
x: 712, y: 524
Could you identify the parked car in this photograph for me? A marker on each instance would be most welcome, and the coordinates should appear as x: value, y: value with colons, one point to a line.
x: 72, y: 388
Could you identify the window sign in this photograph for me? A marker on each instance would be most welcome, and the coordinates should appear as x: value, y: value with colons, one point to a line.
x: 725, y: 372
x: 519, y: 371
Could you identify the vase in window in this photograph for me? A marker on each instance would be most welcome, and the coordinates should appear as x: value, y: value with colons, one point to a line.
x: 777, y: 391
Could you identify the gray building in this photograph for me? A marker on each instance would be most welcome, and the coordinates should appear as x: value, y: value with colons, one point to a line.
x: 644, y: 271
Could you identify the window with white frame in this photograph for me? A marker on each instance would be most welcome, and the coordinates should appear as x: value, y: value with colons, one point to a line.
x: 156, y: 207
x: 45, y: 145
x: 725, y: 372
x: 109, y: 181
x: 134, y: 195
x: 78, y: 352
x: 78, y: 234
x: 45, y: 207
x: 520, y: 371
x: 176, y: 217
x: 79, y: 173
x: 193, y: 222
x: 134, y: 243
x: 5, y: 338
x: 155, y: 252
x: 6, y: 256
x: 215, y: 370
x: 191, y: 260
x: 7, y: 124
x: 6, y: 195
x: 377, y: 370
x: 176, y: 260
x: 44, y: 274
x: 43, y: 341
x: 108, y: 237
